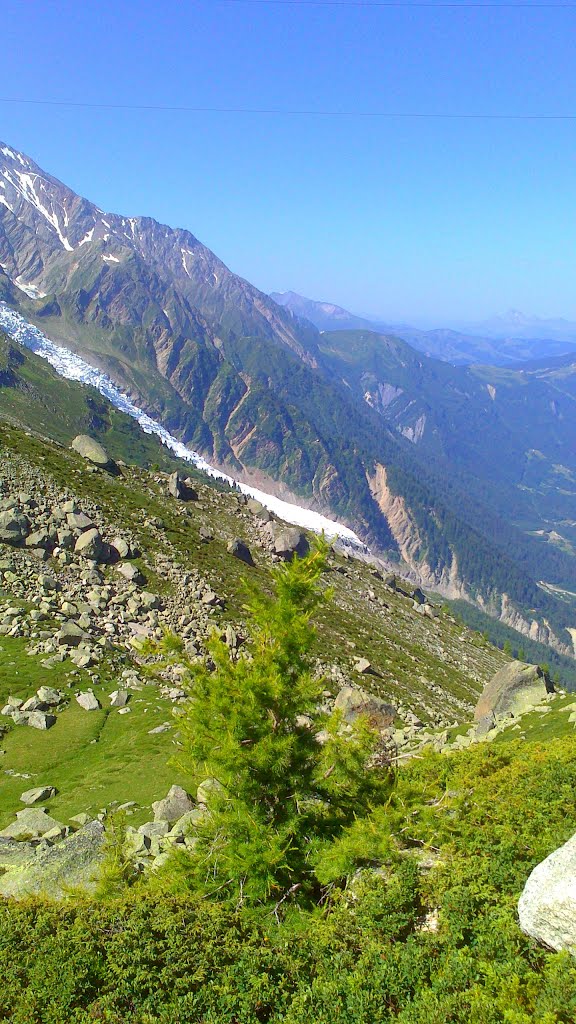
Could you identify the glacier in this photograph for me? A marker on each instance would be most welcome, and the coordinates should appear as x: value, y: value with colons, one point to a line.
x: 73, y: 367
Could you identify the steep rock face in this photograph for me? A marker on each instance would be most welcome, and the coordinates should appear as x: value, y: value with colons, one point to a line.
x: 411, y: 542
x: 540, y: 631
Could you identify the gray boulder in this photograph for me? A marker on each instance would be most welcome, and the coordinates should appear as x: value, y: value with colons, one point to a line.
x: 176, y: 486
x: 88, y: 701
x: 73, y: 862
x: 188, y: 821
x: 241, y: 551
x: 121, y: 547
x: 79, y: 521
x: 119, y: 698
x: 33, y: 796
x: 173, y: 806
x: 48, y: 695
x: 39, y: 539
x: 513, y: 690
x: 69, y: 635
x: 354, y: 702
x: 289, y: 542
x: 207, y: 789
x: 14, y: 853
x: 91, y: 450
x: 81, y: 819
x: 547, y: 906
x: 89, y: 545
x: 40, y: 720
x: 14, y: 527
x: 182, y: 490
x: 258, y: 510
x: 31, y: 823
x: 131, y: 573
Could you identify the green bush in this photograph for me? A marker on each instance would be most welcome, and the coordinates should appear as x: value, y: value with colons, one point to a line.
x: 468, y: 829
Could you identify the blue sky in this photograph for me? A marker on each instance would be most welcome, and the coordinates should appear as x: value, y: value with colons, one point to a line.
x: 425, y: 220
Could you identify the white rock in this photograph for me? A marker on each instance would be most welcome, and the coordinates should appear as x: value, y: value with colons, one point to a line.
x: 88, y: 701
x: 547, y: 906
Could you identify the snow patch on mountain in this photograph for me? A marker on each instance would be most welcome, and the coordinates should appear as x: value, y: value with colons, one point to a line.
x: 28, y: 185
x: 71, y: 366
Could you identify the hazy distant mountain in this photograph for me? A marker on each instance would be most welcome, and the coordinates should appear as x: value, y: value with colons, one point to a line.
x: 515, y: 324
x: 512, y: 338
x: 326, y: 316
x: 417, y: 455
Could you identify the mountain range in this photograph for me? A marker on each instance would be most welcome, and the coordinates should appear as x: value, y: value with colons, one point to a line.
x: 464, y: 478
x: 501, y: 341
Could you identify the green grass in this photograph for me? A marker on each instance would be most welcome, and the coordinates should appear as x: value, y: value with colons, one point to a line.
x: 542, y: 727
x: 92, y: 757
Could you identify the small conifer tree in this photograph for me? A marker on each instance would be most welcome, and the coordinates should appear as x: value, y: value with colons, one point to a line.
x: 288, y: 779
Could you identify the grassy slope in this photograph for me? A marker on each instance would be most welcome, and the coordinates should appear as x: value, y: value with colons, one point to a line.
x: 92, y: 757
x: 34, y: 397
x: 422, y: 662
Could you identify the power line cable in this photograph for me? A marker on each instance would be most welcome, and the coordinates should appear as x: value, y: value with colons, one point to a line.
x: 402, y: 3
x: 284, y: 112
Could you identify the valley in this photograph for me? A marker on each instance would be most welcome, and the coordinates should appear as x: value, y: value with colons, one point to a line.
x: 264, y: 397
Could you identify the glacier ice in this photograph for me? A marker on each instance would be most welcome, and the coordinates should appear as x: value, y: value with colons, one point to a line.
x: 73, y: 367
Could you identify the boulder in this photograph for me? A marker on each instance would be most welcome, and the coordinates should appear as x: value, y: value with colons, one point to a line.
x: 14, y: 527
x: 176, y: 486
x: 33, y: 704
x: 354, y: 702
x: 81, y: 819
x: 288, y: 541
x: 191, y: 492
x: 14, y: 853
x: 547, y: 906
x: 89, y: 545
x: 39, y: 720
x: 258, y: 510
x: 79, y: 521
x: 74, y: 862
x: 121, y: 547
x: 241, y: 551
x: 91, y: 450
x: 484, y: 725
x: 31, y: 823
x: 362, y: 665
x: 176, y: 803
x: 187, y: 822
x: 69, y: 635
x: 34, y: 796
x: 131, y: 573
x: 88, y: 701
x: 39, y: 539
x: 48, y: 695
x: 513, y: 690
x: 119, y: 698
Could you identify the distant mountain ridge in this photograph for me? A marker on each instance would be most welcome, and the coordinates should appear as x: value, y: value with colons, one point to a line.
x: 257, y: 390
x: 501, y: 341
